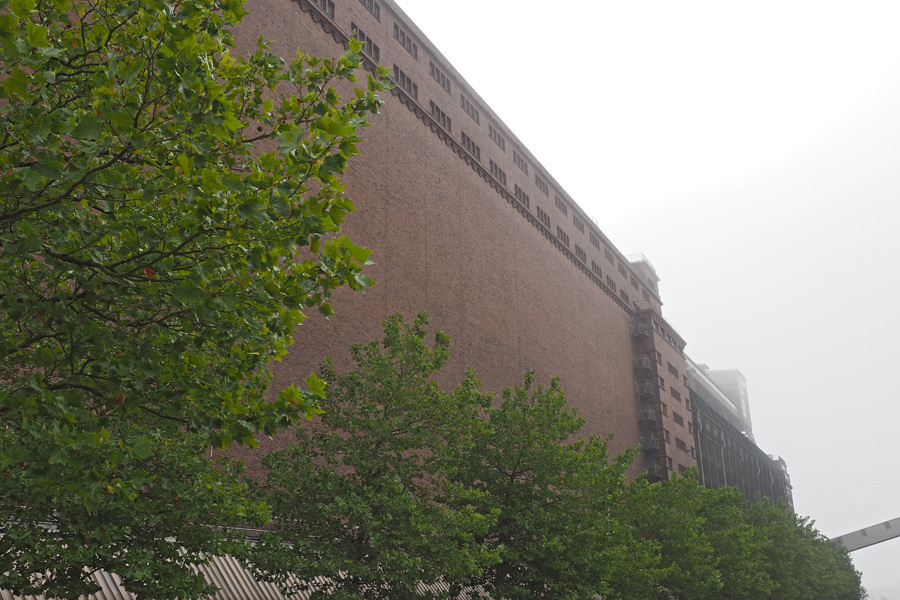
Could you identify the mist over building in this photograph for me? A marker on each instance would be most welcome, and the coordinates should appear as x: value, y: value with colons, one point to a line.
x: 468, y: 225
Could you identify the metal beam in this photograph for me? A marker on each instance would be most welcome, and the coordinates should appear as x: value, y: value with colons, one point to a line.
x: 869, y: 536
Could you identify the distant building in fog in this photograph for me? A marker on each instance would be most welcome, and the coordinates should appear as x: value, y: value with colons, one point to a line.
x: 726, y: 451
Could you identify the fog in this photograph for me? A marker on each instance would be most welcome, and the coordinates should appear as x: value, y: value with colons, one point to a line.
x: 751, y: 153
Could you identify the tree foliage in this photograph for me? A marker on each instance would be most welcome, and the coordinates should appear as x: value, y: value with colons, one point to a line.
x: 555, y: 534
x: 167, y: 213
x: 364, y: 497
x: 399, y: 484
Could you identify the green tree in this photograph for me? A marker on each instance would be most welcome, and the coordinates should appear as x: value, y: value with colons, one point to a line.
x: 800, y: 561
x: 555, y: 534
x: 167, y: 211
x: 364, y: 496
x: 707, y: 545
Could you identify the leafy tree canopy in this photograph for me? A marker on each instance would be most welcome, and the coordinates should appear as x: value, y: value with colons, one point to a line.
x: 365, y: 496
x: 167, y: 213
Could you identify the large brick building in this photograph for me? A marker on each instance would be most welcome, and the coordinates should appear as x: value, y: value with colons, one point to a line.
x: 466, y: 224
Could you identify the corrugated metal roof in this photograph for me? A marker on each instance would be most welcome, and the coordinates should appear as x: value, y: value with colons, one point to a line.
x: 225, y: 572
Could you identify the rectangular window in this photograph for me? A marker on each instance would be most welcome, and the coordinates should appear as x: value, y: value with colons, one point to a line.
x: 542, y: 185
x: 611, y: 283
x: 596, y: 269
x: 404, y: 82
x: 663, y: 409
x: 439, y: 76
x: 469, y: 145
x: 609, y: 255
x: 595, y: 241
x: 645, y: 294
x: 497, y: 137
x: 440, y: 116
x: 368, y: 46
x: 562, y: 206
x: 406, y: 41
x: 690, y: 427
x: 681, y: 468
x: 521, y: 196
x: 658, y: 357
x: 543, y: 217
x: 469, y: 108
x: 673, y: 370
x: 624, y: 295
x: 687, y: 403
x: 661, y: 382
x: 675, y: 394
x: 372, y: 7
x: 622, y: 271
x: 562, y: 235
x: 520, y: 162
x: 580, y: 253
x: 498, y: 173
x: 634, y: 283
x: 579, y: 224
x: 327, y: 7
x: 666, y: 434
x: 679, y: 443
x: 678, y: 418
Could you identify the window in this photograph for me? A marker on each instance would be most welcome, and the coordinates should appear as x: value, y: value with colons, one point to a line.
x: 675, y: 394
x: 595, y: 268
x: 440, y: 115
x: 622, y: 271
x: 580, y: 253
x: 646, y: 295
x: 687, y: 403
x: 562, y: 206
x: 679, y: 443
x: 543, y: 217
x: 609, y: 255
x: 372, y: 7
x: 690, y: 427
x: 520, y: 162
x: 681, y: 468
x: 678, y: 418
x: 469, y: 108
x: 542, y: 185
x: 624, y: 295
x: 327, y: 7
x: 673, y: 370
x: 666, y: 434
x: 404, y: 82
x: 661, y: 382
x: 469, y: 145
x: 497, y: 137
x: 579, y: 224
x: 634, y: 283
x: 406, y: 41
x: 562, y: 235
x: 669, y: 462
x: 521, y: 196
x: 498, y: 173
x: 595, y: 241
x: 663, y: 408
x: 439, y: 76
x: 611, y: 283
x: 658, y: 355
x: 368, y: 46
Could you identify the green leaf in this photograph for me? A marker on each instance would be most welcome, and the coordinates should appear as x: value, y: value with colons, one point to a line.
x: 88, y: 128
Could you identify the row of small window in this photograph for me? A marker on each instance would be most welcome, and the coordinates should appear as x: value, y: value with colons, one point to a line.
x: 406, y: 83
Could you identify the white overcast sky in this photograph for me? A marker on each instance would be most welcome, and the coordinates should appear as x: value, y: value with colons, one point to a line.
x: 752, y: 151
